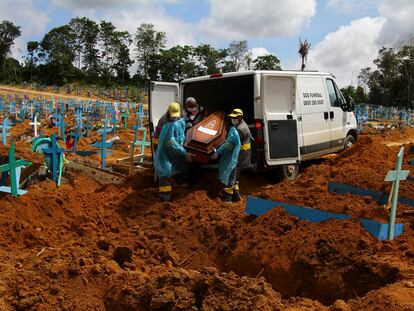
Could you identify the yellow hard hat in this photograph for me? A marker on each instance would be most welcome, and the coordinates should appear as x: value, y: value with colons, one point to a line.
x: 236, y: 113
x: 174, y: 110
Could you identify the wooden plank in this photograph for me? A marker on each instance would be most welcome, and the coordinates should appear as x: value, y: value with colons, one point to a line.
x: 127, y: 159
x: 100, y: 176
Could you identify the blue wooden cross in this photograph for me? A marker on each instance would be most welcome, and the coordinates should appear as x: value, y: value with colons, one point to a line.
x: 138, y: 121
x: 79, y: 118
x: 395, y: 176
x: 103, y: 144
x: 55, y: 152
x: 23, y: 111
x: 87, y: 127
x: 61, y: 126
x: 14, y: 169
x: 76, y: 135
x: 4, y: 130
x: 126, y: 117
x: 143, y: 142
x: 114, y: 120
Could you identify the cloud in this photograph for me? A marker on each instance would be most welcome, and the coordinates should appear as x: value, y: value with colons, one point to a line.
x: 347, y: 50
x: 257, y: 18
x: 108, y: 4
x: 177, y: 31
x: 129, y: 14
x: 32, y: 21
x: 399, y: 22
x: 352, y: 47
x: 350, y: 6
x: 256, y: 52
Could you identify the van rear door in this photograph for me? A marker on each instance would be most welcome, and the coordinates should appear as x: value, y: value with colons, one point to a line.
x: 280, y: 122
x: 161, y: 95
x: 316, y: 133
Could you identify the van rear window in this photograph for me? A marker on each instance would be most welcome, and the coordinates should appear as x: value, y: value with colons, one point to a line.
x: 224, y: 94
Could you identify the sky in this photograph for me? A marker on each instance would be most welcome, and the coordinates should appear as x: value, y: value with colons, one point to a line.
x: 345, y: 35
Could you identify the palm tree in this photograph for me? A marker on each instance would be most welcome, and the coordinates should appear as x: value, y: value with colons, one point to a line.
x: 304, y: 48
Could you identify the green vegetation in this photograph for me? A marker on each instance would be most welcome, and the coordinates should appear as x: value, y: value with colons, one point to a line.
x: 87, y: 52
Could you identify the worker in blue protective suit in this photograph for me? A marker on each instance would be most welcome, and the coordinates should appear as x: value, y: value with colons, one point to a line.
x: 229, y: 154
x: 170, y: 157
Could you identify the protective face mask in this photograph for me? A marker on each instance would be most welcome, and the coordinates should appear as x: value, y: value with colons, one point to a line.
x: 234, y: 122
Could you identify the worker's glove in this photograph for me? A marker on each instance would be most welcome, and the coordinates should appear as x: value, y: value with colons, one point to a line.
x: 189, y: 157
x: 214, y: 156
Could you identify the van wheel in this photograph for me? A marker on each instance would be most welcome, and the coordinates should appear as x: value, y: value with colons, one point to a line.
x: 290, y: 171
x: 349, y: 142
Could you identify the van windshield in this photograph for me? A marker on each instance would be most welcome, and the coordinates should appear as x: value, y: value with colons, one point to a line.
x: 224, y: 94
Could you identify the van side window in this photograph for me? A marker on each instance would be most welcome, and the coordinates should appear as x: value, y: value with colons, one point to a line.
x: 333, y: 97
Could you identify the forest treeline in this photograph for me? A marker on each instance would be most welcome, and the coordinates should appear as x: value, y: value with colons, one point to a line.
x: 88, y: 52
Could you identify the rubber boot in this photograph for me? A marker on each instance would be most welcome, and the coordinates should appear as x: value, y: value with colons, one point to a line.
x: 236, y: 196
x: 227, y: 194
x: 226, y: 198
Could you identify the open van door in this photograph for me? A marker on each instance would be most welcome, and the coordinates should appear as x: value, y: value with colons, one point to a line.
x: 280, y: 121
x: 161, y: 95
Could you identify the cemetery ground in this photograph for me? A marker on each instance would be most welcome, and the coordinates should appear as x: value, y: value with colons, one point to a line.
x: 94, y: 244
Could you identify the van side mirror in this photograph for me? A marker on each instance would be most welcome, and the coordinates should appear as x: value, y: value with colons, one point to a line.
x: 350, y: 103
x: 342, y: 104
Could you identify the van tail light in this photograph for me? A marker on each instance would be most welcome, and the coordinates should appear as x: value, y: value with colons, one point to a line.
x: 259, y: 131
x: 216, y: 75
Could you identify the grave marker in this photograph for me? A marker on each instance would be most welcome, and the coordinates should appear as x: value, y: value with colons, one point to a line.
x: 14, y: 169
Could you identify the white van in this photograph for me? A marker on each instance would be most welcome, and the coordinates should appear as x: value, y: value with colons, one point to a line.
x: 293, y: 115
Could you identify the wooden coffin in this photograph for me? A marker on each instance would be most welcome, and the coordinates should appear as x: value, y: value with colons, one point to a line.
x: 202, y: 138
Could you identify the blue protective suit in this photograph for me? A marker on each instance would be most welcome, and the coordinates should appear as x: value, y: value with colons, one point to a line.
x: 229, y: 153
x: 170, y: 155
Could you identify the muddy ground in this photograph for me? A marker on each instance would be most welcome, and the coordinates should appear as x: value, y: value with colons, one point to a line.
x: 94, y: 246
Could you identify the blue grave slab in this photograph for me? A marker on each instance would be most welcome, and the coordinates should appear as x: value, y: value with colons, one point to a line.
x: 380, y: 230
x: 379, y: 197
x: 257, y: 207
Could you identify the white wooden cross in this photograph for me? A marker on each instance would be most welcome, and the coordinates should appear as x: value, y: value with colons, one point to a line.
x: 35, y: 124
x: 31, y: 108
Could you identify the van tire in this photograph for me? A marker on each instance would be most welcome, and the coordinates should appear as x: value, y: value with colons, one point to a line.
x: 349, y: 141
x: 290, y: 171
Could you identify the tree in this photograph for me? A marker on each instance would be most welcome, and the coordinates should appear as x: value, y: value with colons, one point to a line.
x: 267, y: 62
x: 236, y: 52
x: 76, y: 25
x: 58, y: 52
x: 248, y: 59
x: 108, y: 46
x: 348, y: 91
x: 177, y: 63
x: 123, y: 59
x: 360, y: 95
x: 406, y: 71
x: 8, y: 33
x: 32, y: 47
x: 115, y: 52
x: 12, y: 70
x: 91, y: 58
x: 303, y: 51
x: 148, y: 43
x: 209, y: 59
x: 363, y: 77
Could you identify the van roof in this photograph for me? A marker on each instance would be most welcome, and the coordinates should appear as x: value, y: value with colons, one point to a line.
x: 253, y: 72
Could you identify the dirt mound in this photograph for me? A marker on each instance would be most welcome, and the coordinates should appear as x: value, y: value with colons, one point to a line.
x: 85, y: 246
x: 323, y: 261
x: 365, y: 165
x: 180, y: 289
